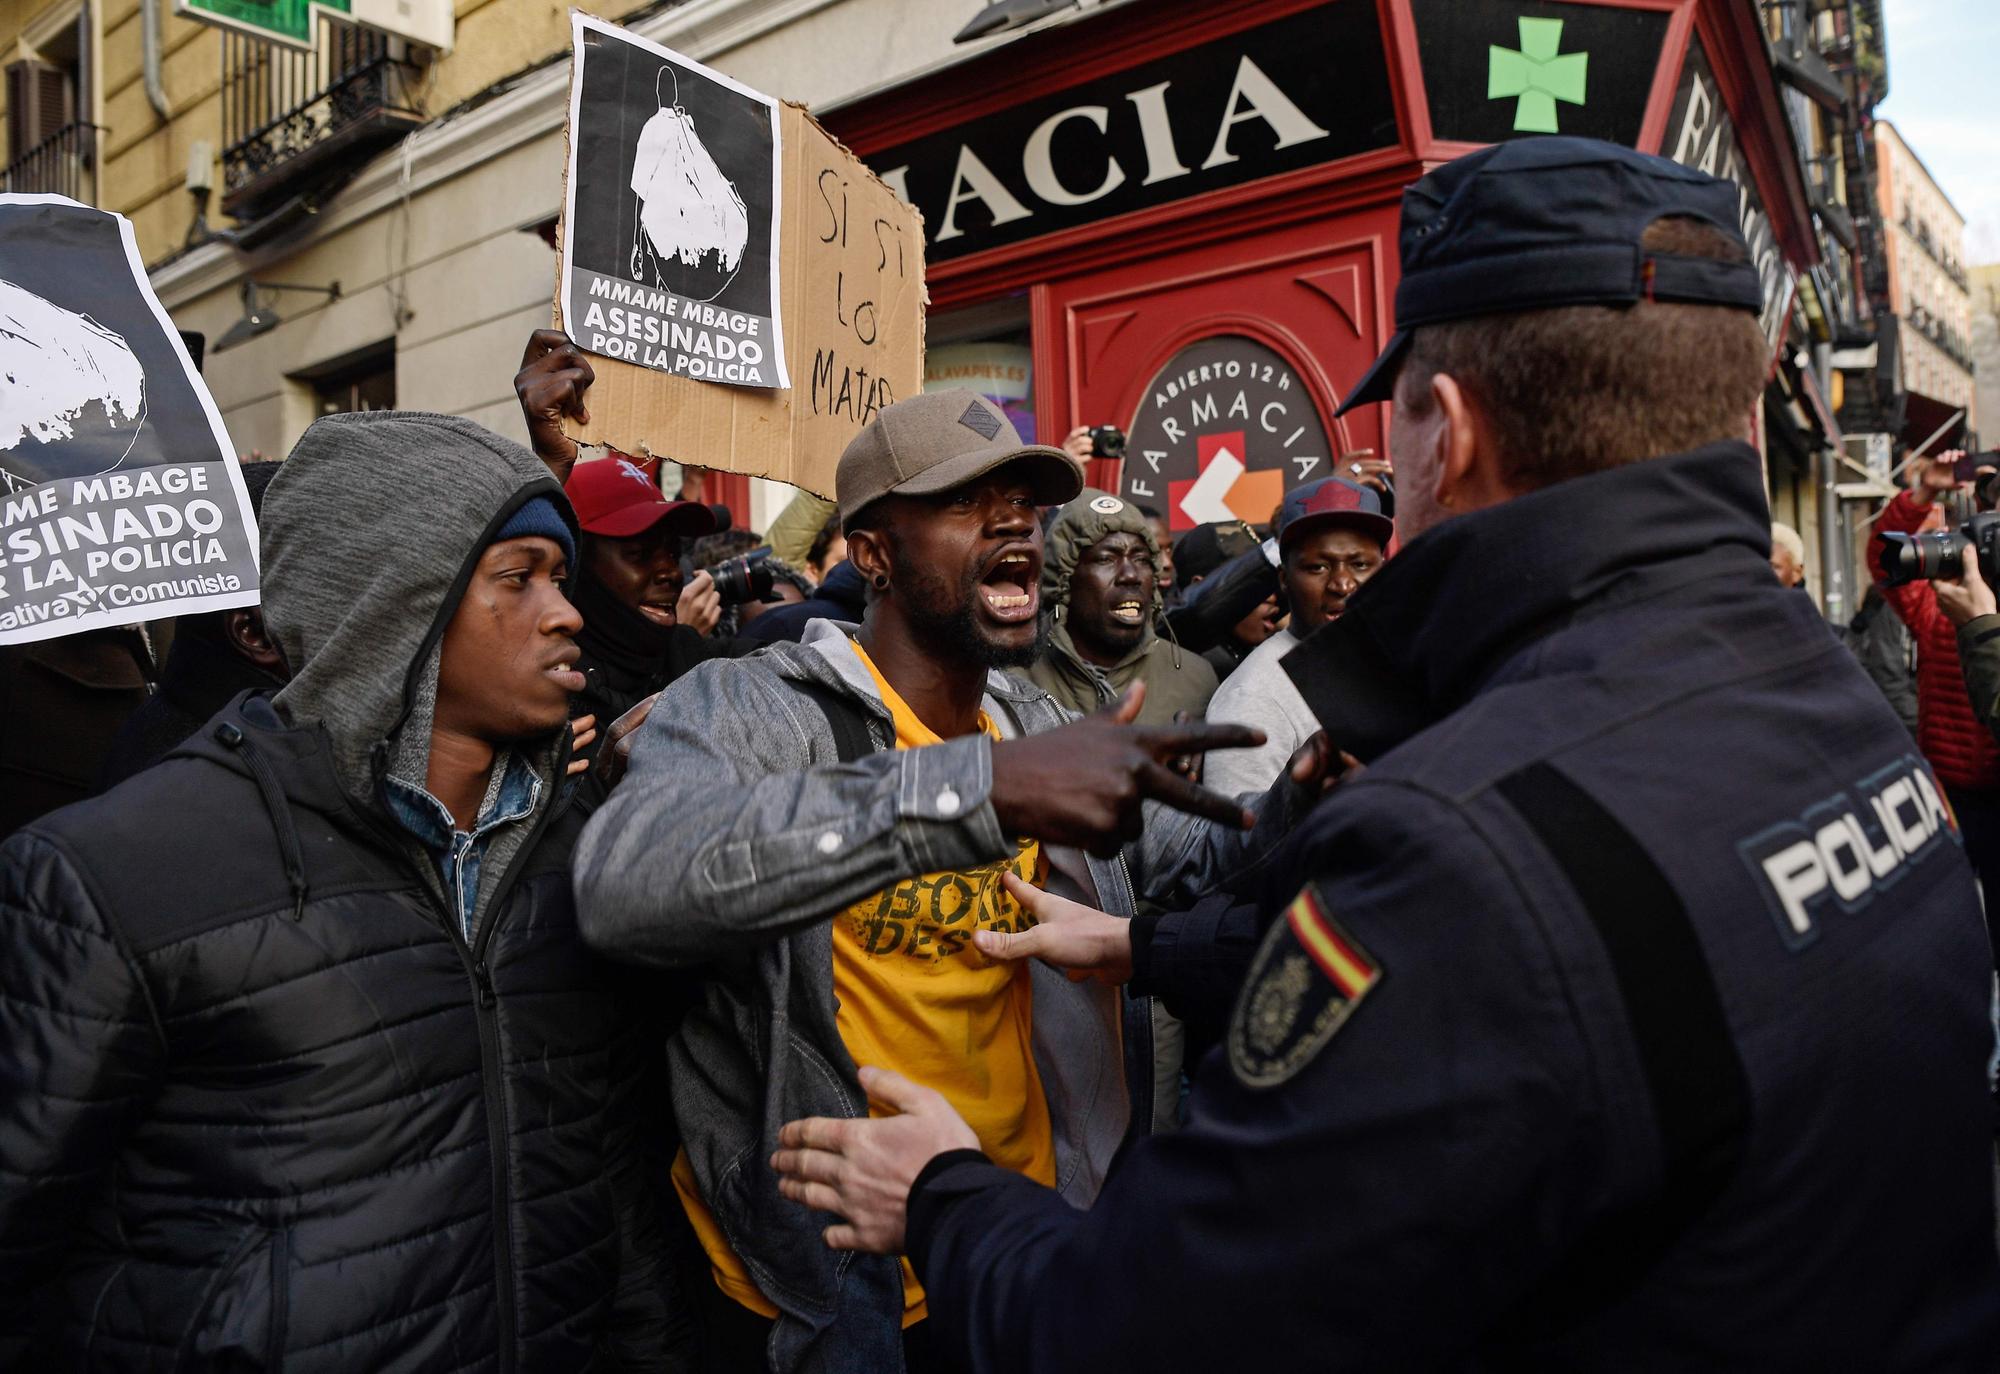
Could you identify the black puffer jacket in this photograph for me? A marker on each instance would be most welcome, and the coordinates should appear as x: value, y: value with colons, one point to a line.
x: 262, y: 1105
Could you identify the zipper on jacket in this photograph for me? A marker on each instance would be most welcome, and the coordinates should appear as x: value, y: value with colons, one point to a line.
x: 490, y: 1075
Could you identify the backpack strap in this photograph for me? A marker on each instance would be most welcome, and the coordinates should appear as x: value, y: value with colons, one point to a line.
x: 1694, y: 1075
x: 852, y: 736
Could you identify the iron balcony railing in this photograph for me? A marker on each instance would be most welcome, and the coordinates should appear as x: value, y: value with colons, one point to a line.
x: 60, y: 165
x: 291, y: 119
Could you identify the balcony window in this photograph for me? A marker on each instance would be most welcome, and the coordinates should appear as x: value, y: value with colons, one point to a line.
x: 298, y: 122
x: 51, y: 143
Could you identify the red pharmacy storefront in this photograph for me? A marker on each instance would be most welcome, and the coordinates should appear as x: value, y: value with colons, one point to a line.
x: 1179, y: 217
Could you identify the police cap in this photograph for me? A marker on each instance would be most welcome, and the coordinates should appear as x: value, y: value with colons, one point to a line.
x: 1543, y: 222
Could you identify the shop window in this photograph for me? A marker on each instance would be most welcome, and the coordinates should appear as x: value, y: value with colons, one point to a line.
x: 362, y: 381
x: 987, y: 348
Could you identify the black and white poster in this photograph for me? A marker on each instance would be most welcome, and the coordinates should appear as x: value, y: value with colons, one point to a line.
x: 670, y: 247
x: 120, y: 497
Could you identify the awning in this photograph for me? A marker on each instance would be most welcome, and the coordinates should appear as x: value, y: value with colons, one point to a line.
x: 1816, y: 405
x: 1836, y: 221
x: 1807, y: 70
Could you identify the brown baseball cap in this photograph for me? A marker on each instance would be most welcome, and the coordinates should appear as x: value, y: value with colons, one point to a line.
x: 940, y: 440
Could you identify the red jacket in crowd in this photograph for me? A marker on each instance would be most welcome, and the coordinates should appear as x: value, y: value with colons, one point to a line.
x: 1959, y: 748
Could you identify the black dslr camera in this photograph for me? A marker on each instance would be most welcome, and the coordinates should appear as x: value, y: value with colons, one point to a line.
x: 1107, y: 441
x: 1934, y: 554
x: 738, y: 580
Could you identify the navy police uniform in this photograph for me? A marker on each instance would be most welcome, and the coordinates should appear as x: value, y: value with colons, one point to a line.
x: 1630, y: 1013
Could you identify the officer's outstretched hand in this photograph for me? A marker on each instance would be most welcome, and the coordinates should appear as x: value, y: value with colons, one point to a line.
x: 1078, y: 939
x: 1083, y: 784
x: 862, y: 1169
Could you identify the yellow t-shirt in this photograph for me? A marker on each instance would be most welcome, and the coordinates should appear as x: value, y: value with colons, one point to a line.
x: 915, y: 996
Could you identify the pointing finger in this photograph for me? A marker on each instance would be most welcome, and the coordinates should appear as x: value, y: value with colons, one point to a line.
x: 1169, y: 741
x: 1164, y: 785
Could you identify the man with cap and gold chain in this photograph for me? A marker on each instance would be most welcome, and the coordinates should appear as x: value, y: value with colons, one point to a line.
x: 1630, y: 1012
x: 824, y: 827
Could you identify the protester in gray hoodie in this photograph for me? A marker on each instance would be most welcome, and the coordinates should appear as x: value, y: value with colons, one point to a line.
x: 307, y: 1064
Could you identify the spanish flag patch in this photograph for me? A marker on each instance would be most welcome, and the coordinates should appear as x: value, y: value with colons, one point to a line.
x: 1307, y: 979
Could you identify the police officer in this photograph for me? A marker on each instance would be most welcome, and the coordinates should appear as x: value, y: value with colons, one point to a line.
x: 1630, y: 1012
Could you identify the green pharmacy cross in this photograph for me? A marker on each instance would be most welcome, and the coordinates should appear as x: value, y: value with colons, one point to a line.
x: 1537, y: 75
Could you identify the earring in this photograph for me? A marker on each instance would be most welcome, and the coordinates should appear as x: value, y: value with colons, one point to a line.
x: 881, y: 582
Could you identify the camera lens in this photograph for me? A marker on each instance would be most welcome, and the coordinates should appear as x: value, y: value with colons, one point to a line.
x: 745, y: 578
x: 1922, y: 557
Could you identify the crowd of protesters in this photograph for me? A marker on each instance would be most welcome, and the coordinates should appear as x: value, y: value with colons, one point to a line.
x: 561, y: 929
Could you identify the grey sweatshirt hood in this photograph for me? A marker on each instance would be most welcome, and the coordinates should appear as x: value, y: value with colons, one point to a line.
x: 369, y: 535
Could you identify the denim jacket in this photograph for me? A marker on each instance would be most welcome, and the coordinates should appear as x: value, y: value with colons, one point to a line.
x: 512, y: 792
x: 734, y: 837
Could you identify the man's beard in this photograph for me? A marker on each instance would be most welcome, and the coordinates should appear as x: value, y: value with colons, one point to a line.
x: 950, y: 624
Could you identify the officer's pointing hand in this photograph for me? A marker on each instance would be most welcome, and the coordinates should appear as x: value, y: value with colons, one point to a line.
x: 862, y: 1169
x: 1071, y: 936
x: 1084, y: 784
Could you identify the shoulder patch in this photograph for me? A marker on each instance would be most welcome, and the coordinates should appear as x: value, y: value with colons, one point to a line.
x: 1307, y: 979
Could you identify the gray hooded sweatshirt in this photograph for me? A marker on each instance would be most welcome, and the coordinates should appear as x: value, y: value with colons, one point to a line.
x: 365, y: 617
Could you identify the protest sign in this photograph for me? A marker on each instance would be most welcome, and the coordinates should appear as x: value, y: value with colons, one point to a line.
x: 840, y: 332
x: 671, y: 255
x: 120, y: 496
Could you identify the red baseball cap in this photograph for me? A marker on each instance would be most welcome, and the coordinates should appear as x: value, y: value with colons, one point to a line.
x: 614, y: 497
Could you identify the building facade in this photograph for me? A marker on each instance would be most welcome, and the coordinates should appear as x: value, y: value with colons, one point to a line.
x: 1985, y: 285
x: 1171, y: 216
x: 1930, y: 293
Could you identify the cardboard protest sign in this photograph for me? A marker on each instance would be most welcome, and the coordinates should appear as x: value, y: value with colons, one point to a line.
x: 671, y: 255
x: 120, y: 496
x: 848, y: 328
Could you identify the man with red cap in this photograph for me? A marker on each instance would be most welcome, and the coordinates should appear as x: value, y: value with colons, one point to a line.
x: 628, y: 587
x: 1332, y: 537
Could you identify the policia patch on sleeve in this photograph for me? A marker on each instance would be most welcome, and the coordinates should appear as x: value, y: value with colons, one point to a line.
x: 1307, y: 979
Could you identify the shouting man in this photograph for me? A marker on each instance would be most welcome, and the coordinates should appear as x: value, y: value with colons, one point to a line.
x: 1100, y: 590
x: 825, y: 826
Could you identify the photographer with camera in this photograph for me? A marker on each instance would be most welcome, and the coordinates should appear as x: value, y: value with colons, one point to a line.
x: 1912, y: 554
